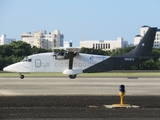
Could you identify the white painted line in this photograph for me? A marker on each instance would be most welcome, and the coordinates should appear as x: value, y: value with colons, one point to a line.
x: 8, y: 92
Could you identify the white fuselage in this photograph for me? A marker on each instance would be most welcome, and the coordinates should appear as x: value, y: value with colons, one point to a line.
x: 46, y: 62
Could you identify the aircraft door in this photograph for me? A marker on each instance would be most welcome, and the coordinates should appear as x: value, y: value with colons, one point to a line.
x: 39, y: 65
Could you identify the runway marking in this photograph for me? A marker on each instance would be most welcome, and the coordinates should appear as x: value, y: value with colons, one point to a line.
x: 8, y: 92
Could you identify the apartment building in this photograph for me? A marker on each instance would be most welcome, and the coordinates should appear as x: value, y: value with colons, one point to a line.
x: 5, y: 40
x: 43, y: 40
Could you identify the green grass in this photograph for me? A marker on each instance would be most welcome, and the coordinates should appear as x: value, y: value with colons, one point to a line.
x: 114, y: 74
x: 125, y: 74
x: 31, y: 74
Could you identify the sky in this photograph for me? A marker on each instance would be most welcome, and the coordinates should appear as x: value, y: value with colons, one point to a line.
x: 77, y: 19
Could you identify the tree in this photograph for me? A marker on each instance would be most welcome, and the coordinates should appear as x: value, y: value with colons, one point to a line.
x: 6, y: 50
x: 35, y: 50
x: 20, y: 48
x: 92, y: 51
x: 15, y: 52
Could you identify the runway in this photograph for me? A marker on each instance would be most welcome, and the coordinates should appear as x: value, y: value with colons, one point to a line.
x: 79, y: 86
x: 82, y: 98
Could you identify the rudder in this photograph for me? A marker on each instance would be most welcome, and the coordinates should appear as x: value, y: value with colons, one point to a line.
x: 144, y: 48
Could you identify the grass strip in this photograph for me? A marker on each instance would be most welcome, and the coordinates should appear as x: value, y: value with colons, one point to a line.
x: 113, y: 74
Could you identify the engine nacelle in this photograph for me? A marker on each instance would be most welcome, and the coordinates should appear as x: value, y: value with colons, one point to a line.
x: 72, y: 71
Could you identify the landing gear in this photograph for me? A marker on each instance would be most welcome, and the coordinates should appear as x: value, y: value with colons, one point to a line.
x: 72, y: 76
x: 21, y: 76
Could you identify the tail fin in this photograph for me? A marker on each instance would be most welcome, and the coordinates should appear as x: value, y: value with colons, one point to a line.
x: 144, y: 48
x: 138, y: 55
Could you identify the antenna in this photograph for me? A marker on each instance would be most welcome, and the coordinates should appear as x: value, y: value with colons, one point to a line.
x: 82, y: 39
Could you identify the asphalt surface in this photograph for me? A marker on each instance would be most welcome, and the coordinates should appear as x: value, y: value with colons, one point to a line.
x: 79, y: 86
x: 53, y: 99
x: 77, y: 107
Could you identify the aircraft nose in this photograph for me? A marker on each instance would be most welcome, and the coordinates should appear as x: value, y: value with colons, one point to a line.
x: 4, y: 69
x: 9, y: 68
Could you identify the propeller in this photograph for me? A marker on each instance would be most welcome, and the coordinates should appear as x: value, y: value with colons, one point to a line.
x: 71, y: 55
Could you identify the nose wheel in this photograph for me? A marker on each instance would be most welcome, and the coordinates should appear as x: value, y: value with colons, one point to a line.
x: 72, y: 76
x: 21, y: 76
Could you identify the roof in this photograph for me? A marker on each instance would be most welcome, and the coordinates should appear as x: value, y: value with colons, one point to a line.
x: 138, y: 36
x: 145, y: 26
x: 158, y: 30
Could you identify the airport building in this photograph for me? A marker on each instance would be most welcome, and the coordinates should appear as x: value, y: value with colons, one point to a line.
x: 4, y: 40
x: 143, y: 30
x: 104, y: 44
x: 43, y: 40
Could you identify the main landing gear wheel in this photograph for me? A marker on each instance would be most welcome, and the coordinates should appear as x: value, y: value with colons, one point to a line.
x: 22, y: 76
x: 72, y: 76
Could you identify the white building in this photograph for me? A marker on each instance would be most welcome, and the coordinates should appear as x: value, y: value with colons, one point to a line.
x: 104, y: 44
x: 67, y: 44
x: 41, y: 39
x: 4, y: 40
x: 143, y: 30
x: 157, y: 39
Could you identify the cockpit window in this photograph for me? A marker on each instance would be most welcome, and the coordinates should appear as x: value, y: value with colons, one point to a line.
x: 26, y: 60
x: 29, y: 60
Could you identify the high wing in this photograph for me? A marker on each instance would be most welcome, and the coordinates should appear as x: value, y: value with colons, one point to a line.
x: 141, y: 53
x: 64, y: 52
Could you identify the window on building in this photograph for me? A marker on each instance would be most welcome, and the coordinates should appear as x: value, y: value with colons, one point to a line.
x: 143, y: 32
x: 106, y: 46
x: 93, y: 46
x: 101, y: 46
x: 109, y: 46
x: 96, y: 46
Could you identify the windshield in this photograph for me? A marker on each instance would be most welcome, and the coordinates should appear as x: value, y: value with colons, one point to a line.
x: 26, y: 59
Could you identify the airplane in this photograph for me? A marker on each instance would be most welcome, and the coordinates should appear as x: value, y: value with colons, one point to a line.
x: 71, y: 62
